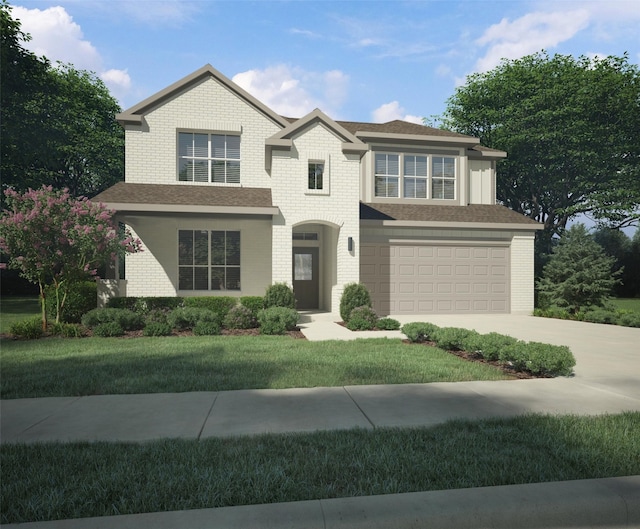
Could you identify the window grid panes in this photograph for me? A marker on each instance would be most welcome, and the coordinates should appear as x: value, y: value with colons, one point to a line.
x: 387, y: 167
x: 208, y: 260
x: 208, y: 158
x: 316, y: 173
x: 443, y: 178
x: 415, y: 176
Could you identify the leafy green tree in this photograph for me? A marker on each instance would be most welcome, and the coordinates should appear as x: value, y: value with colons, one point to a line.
x: 54, y: 239
x: 58, y: 123
x: 570, y: 128
x: 579, y: 273
x: 617, y: 244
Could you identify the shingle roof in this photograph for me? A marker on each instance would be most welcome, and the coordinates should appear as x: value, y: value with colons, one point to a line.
x: 473, y: 213
x: 187, y: 195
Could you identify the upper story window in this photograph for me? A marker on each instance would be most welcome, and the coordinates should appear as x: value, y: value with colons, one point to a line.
x: 387, y: 174
x: 316, y: 172
x: 411, y: 174
x: 208, y: 158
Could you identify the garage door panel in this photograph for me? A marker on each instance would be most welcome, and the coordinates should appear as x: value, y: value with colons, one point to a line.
x: 431, y: 278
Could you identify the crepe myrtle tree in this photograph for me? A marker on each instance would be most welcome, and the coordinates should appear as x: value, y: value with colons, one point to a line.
x: 54, y: 239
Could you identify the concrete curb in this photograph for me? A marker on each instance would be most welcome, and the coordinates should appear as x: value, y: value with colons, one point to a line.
x: 608, y: 502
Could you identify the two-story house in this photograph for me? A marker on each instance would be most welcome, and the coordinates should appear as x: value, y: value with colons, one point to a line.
x: 229, y: 197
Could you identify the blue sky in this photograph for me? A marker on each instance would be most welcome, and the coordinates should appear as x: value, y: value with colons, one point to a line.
x: 355, y: 60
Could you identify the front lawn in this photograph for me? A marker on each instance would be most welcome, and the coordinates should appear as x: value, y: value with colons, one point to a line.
x: 627, y: 303
x: 14, y: 309
x: 56, y: 367
x: 57, y: 481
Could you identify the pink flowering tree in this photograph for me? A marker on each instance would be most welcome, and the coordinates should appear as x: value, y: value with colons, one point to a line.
x: 54, y: 239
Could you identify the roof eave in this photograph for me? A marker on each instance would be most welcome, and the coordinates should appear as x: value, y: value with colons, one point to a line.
x: 420, y: 138
x: 508, y: 226
x: 137, y: 207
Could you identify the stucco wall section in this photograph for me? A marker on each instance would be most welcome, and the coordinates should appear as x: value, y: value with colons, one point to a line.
x: 151, y: 151
x: 154, y: 272
x: 339, y: 209
x: 522, y: 274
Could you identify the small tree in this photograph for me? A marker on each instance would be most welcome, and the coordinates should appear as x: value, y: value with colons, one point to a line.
x: 578, y: 274
x: 54, y: 239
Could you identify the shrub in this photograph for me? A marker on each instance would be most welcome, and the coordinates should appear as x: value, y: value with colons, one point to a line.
x: 277, y: 320
x: 82, y: 296
x: 186, y: 318
x: 362, y: 319
x: 30, y: 328
x: 108, y: 329
x: 279, y: 295
x: 541, y: 358
x: 156, y: 316
x: 67, y: 330
x: 206, y: 328
x: 354, y: 295
x: 145, y: 304
x: 418, y: 332
x: 515, y: 355
x: 221, y: 305
x: 629, y: 319
x: 553, y: 312
x: 240, y: 317
x: 253, y: 303
x: 600, y: 316
x: 453, y: 338
x: 491, y: 345
x: 388, y: 324
x: 127, y: 319
x: 157, y: 328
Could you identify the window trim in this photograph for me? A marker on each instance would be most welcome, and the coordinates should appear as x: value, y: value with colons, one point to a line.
x: 210, y: 265
x: 325, y: 160
x: 430, y: 156
x: 210, y: 158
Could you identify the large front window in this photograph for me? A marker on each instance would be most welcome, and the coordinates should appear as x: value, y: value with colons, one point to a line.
x: 418, y: 176
x: 208, y: 158
x: 208, y: 260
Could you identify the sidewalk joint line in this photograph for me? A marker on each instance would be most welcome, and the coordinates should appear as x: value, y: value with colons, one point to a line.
x: 208, y: 415
x: 358, y: 406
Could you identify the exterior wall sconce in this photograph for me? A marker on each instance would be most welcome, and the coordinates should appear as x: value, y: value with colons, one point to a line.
x: 350, y: 244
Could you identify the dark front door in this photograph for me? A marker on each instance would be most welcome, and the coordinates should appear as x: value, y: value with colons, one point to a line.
x: 305, y: 277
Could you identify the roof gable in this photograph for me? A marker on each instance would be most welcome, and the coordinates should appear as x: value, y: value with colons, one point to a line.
x: 135, y: 114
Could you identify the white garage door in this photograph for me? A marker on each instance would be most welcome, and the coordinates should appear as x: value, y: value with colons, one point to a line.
x: 436, y: 279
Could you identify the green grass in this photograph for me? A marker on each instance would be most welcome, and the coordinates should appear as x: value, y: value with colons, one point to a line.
x: 59, y: 481
x: 55, y: 367
x: 13, y: 309
x: 627, y: 303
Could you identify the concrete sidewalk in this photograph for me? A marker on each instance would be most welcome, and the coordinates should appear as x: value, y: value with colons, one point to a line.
x: 607, y: 380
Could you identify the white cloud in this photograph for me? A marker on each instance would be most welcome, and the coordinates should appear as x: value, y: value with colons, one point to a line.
x: 295, y: 92
x: 392, y: 111
x: 57, y: 37
x: 529, y: 34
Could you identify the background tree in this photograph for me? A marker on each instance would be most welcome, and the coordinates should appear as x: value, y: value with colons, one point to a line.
x: 54, y: 239
x: 570, y: 128
x: 58, y: 123
x: 579, y: 273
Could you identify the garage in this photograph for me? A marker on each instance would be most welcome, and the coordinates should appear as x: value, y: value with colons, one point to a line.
x: 436, y: 278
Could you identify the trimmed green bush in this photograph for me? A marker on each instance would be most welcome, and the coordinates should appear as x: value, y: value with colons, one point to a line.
x: 490, y: 345
x: 253, y: 303
x: 388, y: 324
x: 240, y: 317
x: 354, y: 295
x: 206, y: 328
x: 629, y: 319
x: 145, y: 304
x: 127, y: 319
x: 108, y: 329
x: 600, y: 316
x: 543, y: 359
x: 186, y: 318
x: 157, y: 328
x: 277, y: 320
x: 362, y: 319
x: 221, y: 305
x: 279, y: 295
x: 418, y: 332
x: 515, y: 355
x: 553, y: 312
x: 156, y: 316
x: 29, y: 329
x: 82, y: 296
x: 67, y: 330
x: 453, y: 338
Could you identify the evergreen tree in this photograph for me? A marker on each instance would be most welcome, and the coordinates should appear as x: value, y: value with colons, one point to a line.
x: 578, y: 274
